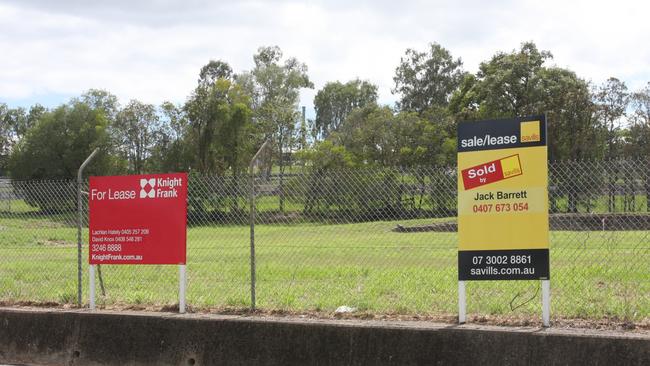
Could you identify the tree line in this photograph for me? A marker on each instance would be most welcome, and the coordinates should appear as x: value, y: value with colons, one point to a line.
x: 229, y: 114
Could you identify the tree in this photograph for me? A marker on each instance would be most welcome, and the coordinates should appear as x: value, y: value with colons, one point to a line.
x: 173, y: 149
x: 103, y: 100
x: 60, y: 141
x: 612, y: 99
x: 275, y: 87
x: 507, y: 85
x: 379, y: 136
x: 334, y: 102
x: 639, y: 133
x: 35, y: 113
x: 517, y: 84
x: 574, y: 132
x: 136, y: 131
x: 218, y: 115
x: 213, y: 71
x: 641, y: 110
x: 233, y: 139
x: 54, y: 148
x: 5, y: 131
x: 426, y: 79
x: 368, y: 134
x: 5, y: 139
x: 14, y: 124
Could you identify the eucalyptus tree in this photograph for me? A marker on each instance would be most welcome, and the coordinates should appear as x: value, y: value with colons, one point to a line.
x: 427, y: 79
x: 639, y: 133
x: 136, y: 131
x: 218, y: 120
x: 275, y: 87
x: 334, y: 102
x: 612, y: 99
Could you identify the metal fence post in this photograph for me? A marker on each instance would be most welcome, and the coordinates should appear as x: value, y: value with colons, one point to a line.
x: 252, y: 218
x: 80, y: 223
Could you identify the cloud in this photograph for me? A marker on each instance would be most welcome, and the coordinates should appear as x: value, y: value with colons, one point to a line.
x: 152, y: 50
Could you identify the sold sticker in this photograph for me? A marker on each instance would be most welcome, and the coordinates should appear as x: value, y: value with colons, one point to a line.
x: 491, y: 172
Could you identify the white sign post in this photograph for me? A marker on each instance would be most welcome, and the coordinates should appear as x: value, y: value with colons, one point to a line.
x: 181, y: 288
x: 546, y: 303
x: 462, y: 303
x: 91, y: 282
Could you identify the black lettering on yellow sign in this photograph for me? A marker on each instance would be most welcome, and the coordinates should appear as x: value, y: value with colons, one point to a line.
x: 503, y: 199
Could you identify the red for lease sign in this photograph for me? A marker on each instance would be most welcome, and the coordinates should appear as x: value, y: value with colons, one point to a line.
x: 138, y: 219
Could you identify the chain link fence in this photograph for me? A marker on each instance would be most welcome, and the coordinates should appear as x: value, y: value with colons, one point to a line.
x: 382, y: 241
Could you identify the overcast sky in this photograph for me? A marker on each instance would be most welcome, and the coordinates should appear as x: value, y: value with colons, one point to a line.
x: 152, y: 50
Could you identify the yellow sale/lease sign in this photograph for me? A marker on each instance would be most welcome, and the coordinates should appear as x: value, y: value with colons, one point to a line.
x: 503, y: 199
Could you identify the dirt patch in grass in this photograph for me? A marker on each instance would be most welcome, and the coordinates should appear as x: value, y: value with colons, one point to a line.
x: 559, y: 222
x: 56, y: 242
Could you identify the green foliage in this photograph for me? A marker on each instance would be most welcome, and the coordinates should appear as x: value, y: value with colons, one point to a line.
x: 509, y: 82
x: 55, y: 148
x: 219, y: 121
x: 612, y: 100
x: 103, y: 100
x: 378, y: 136
x: 215, y: 131
x: 135, y: 132
x: 518, y: 84
x: 60, y: 141
x: 426, y: 79
x: 5, y: 139
x: 275, y: 88
x: 352, y: 195
x: 638, y: 137
x: 573, y: 129
x: 334, y: 102
x: 213, y: 71
x: 172, y: 151
x: 14, y: 124
x: 229, y: 115
x: 326, y: 156
x: 216, y: 198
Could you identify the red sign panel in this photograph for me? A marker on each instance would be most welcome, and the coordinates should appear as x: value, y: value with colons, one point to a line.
x: 492, y: 171
x: 138, y: 219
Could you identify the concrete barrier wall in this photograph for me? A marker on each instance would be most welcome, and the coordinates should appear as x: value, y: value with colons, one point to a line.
x: 85, y: 338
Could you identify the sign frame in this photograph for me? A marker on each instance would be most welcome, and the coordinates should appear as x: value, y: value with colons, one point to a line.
x: 503, y: 204
x: 138, y: 213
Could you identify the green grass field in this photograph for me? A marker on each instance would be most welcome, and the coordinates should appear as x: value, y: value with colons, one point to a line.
x: 316, y: 267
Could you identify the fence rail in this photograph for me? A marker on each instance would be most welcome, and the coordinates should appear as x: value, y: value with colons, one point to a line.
x: 382, y: 241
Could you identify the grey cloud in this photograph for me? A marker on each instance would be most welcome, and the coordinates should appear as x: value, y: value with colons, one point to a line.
x: 154, y: 13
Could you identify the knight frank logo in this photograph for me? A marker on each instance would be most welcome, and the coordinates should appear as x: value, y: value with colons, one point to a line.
x: 147, y: 188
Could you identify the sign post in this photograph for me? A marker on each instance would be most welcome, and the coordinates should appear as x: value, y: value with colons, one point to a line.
x: 503, y: 204
x: 138, y: 219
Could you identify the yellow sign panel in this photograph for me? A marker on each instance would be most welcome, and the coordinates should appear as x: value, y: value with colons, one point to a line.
x: 494, y: 211
x: 503, y: 199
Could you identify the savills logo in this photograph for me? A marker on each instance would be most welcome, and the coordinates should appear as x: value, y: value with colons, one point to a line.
x: 147, y: 188
x: 530, y: 132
